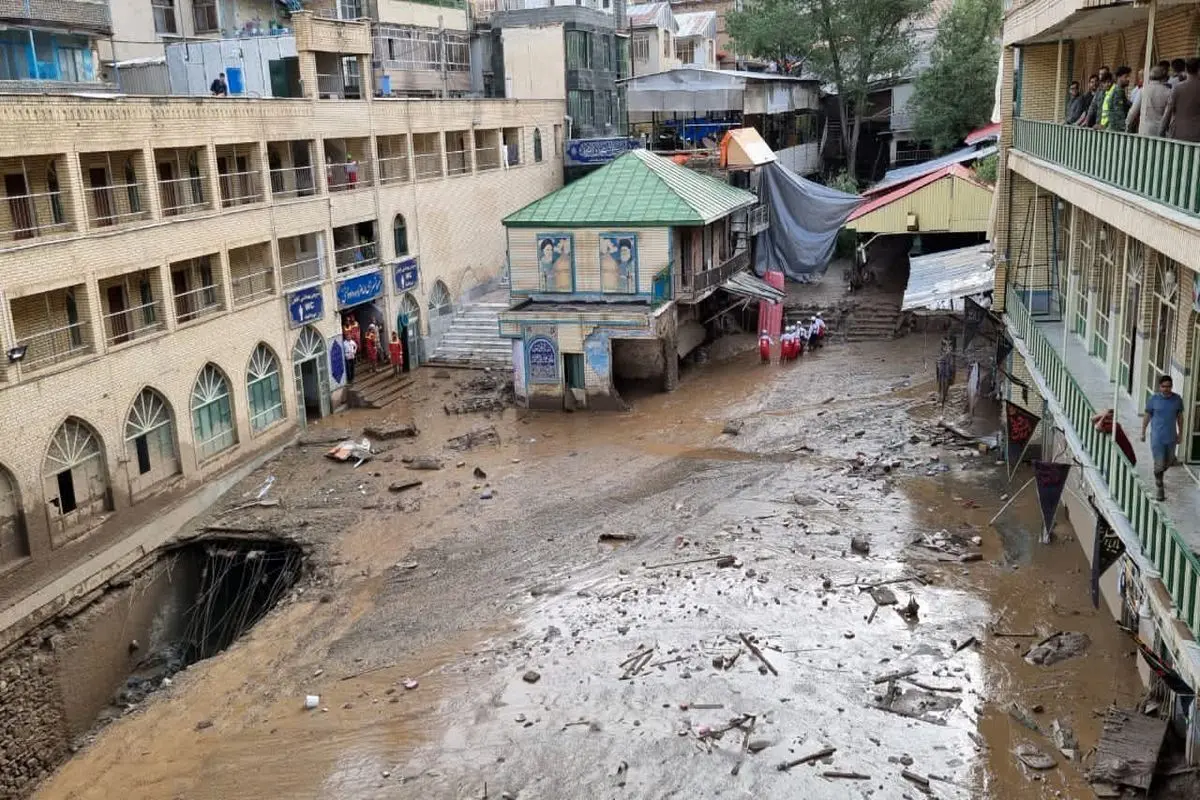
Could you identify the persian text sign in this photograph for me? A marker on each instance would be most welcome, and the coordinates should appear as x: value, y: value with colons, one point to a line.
x: 359, y: 289
x: 306, y: 305
x: 581, y: 152
x: 405, y: 273
x: 542, y: 360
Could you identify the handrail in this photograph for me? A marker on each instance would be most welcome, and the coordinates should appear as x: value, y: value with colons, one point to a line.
x: 46, y: 348
x: 196, y: 303
x: 298, y: 188
x: 1160, y: 540
x: 233, y: 184
x: 1166, y: 171
x: 24, y: 210
x: 427, y: 165
x: 183, y: 193
x: 151, y: 316
x: 306, y: 270
x: 355, y: 256
x: 251, y: 286
x: 393, y: 169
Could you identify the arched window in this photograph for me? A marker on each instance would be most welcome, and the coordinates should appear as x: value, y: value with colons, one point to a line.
x: 55, y: 192
x: 131, y: 187
x: 76, y: 481
x: 150, y: 438
x: 310, y: 369
x: 14, y: 543
x: 400, y: 235
x: 439, y: 301
x: 212, y: 413
x: 262, y: 387
x: 537, y: 145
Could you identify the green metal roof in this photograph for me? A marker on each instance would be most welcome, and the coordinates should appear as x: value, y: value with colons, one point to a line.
x: 639, y: 189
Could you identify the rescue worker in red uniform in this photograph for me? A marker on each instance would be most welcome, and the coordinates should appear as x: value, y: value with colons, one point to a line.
x: 764, y: 347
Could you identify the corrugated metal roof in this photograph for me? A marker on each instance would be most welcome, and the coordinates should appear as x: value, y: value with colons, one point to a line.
x: 895, y: 177
x: 652, y: 15
x: 638, y: 189
x: 988, y: 133
x: 702, y: 72
x: 699, y: 23
x: 744, y: 284
x: 937, y: 279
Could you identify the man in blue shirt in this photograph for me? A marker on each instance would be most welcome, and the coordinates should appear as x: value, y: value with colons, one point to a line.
x: 1164, y: 417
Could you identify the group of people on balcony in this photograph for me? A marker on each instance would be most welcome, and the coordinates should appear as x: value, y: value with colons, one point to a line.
x: 1166, y: 105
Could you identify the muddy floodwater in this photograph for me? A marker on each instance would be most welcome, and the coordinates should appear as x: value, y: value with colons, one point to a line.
x: 560, y: 601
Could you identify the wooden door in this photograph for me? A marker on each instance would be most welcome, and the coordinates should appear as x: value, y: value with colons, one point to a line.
x: 118, y: 319
x: 101, y: 195
x: 20, y: 206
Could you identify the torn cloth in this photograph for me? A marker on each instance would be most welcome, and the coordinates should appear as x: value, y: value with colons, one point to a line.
x: 805, y: 220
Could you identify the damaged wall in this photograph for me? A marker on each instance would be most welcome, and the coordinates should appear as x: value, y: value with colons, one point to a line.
x: 33, y: 728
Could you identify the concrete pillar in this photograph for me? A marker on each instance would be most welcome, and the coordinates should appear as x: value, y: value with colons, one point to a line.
x: 214, y: 180
x: 308, y: 74
x: 74, y: 190
x: 264, y: 170
x: 149, y: 180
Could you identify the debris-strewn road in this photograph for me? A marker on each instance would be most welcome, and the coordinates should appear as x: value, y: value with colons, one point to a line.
x: 807, y: 603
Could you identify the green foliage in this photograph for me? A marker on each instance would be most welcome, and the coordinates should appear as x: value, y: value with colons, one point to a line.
x: 955, y: 95
x: 847, y: 242
x: 843, y: 182
x: 849, y: 44
x: 985, y: 168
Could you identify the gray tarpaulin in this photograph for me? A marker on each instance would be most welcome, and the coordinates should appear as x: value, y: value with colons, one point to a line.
x: 805, y: 220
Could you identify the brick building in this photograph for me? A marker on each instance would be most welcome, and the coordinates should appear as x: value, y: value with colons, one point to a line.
x: 174, y: 273
x: 1097, y: 238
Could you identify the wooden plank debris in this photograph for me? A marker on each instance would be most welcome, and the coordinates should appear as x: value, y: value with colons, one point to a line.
x: 824, y: 752
x: 1127, y: 752
x: 758, y: 654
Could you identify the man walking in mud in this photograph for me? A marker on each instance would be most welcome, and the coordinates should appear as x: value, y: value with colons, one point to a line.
x: 1164, y: 417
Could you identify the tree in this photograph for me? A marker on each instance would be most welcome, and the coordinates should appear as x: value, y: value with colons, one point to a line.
x: 849, y: 44
x: 955, y: 95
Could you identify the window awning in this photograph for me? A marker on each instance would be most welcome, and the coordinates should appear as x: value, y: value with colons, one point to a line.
x: 750, y: 286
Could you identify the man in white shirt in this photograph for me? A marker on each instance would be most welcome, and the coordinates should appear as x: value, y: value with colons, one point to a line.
x: 350, y: 351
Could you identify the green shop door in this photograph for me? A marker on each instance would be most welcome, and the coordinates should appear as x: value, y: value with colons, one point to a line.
x: 573, y: 366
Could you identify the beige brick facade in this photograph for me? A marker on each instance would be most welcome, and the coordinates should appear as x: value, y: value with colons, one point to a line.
x: 114, y: 285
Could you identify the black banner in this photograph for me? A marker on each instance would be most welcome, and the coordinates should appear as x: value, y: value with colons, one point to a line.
x: 1160, y: 668
x: 1051, y: 480
x: 1004, y: 346
x: 1106, y: 549
x: 973, y: 317
x: 1018, y: 432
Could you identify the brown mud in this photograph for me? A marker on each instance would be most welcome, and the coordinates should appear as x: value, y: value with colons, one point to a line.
x: 467, y: 595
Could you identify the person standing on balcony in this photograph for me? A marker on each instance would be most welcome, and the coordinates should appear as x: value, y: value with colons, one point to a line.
x: 1146, y: 115
x: 1137, y: 86
x: 1178, y: 72
x: 1182, y: 118
x: 1116, y: 102
x: 1076, y: 103
x: 1164, y: 417
x: 1104, y: 82
x: 218, y: 87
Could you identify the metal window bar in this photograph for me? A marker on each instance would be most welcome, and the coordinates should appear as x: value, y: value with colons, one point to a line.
x: 197, y: 303
x: 109, y: 204
x: 28, y: 214
x: 356, y: 256
x: 240, y: 188
x: 297, y: 273
x: 402, y: 48
x: 252, y: 286
x: 182, y: 195
x: 458, y: 162
x: 132, y: 323
x: 487, y: 158
x: 345, y: 177
x: 288, y: 182
x: 56, y: 345
x: 427, y: 165
x: 338, y: 86
x: 393, y: 169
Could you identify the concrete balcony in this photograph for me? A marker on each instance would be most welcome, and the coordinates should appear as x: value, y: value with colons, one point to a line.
x: 320, y: 35
x: 1166, y: 531
x: 89, y: 15
x: 694, y: 288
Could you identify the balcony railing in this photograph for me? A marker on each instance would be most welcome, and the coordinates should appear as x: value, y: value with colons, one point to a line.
x: 299, y: 273
x: 287, y: 182
x: 393, y: 169
x: 752, y: 220
x: 428, y: 165
x: 345, y: 177
x: 35, y: 214
x: 51, y: 347
x: 707, y: 279
x: 356, y: 256
x: 252, y: 286
x: 1160, y: 541
x: 336, y: 87
x: 1165, y: 171
x: 197, y: 303
x: 240, y: 188
x: 116, y: 204
x: 182, y: 195
x: 458, y: 162
x: 487, y: 158
x: 133, y: 323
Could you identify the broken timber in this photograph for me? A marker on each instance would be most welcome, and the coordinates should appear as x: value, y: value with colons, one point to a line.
x: 824, y: 752
x: 1128, y: 749
x: 758, y: 654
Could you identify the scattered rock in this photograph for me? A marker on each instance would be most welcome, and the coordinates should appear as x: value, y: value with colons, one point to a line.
x: 727, y: 561
x: 425, y: 462
x: 758, y: 745
x: 531, y: 677
x: 487, y: 494
x: 804, y: 499
x: 479, y: 474
x: 860, y: 545
x: 1034, y: 758
x: 733, y: 427
x: 1058, y: 647
x: 390, y: 429
x: 411, y: 684
x: 883, y: 596
x: 403, y: 486
x: 204, y: 723
x: 617, y: 536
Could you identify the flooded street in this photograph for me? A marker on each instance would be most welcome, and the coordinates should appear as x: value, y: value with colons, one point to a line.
x: 662, y: 603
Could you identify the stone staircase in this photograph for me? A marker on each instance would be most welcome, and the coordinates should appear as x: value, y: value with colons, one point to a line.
x: 473, y: 338
x: 377, y: 389
x: 854, y: 318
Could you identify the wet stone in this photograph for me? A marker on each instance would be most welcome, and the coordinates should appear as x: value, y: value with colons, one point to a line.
x: 531, y: 677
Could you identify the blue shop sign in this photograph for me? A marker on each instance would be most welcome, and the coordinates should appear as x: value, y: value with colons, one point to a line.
x: 306, y: 305
x: 404, y: 273
x: 598, y: 151
x: 359, y: 289
x: 543, y: 360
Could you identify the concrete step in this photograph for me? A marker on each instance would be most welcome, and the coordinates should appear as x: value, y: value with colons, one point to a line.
x: 377, y: 390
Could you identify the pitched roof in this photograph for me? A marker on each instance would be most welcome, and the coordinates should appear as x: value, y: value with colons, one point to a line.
x: 651, y: 15
x: 880, y: 200
x: 697, y: 23
x: 988, y: 133
x: 638, y: 189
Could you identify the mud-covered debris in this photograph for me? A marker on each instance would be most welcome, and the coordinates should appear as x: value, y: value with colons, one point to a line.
x: 425, y: 462
x: 727, y: 561
x: 910, y: 610
x: 411, y: 684
x: 617, y: 536
x: 531, y: 676
x: 487, y: 494
x: 476, y: 437
x: 824, y: 752
x: 895, y: 676
x: 403, y: 486
x: 1058, y: 647
x: 1023, y: 716
x: 758, y: 745
x: 804, y: 499
x: 479, y: 474
x: 391, y: 429
x: 860, y: 544
x: 883, y: 596
x: 733, y: 427
x: 1034, y: 758
x: 1064, y: 739
x: 204, y: 723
